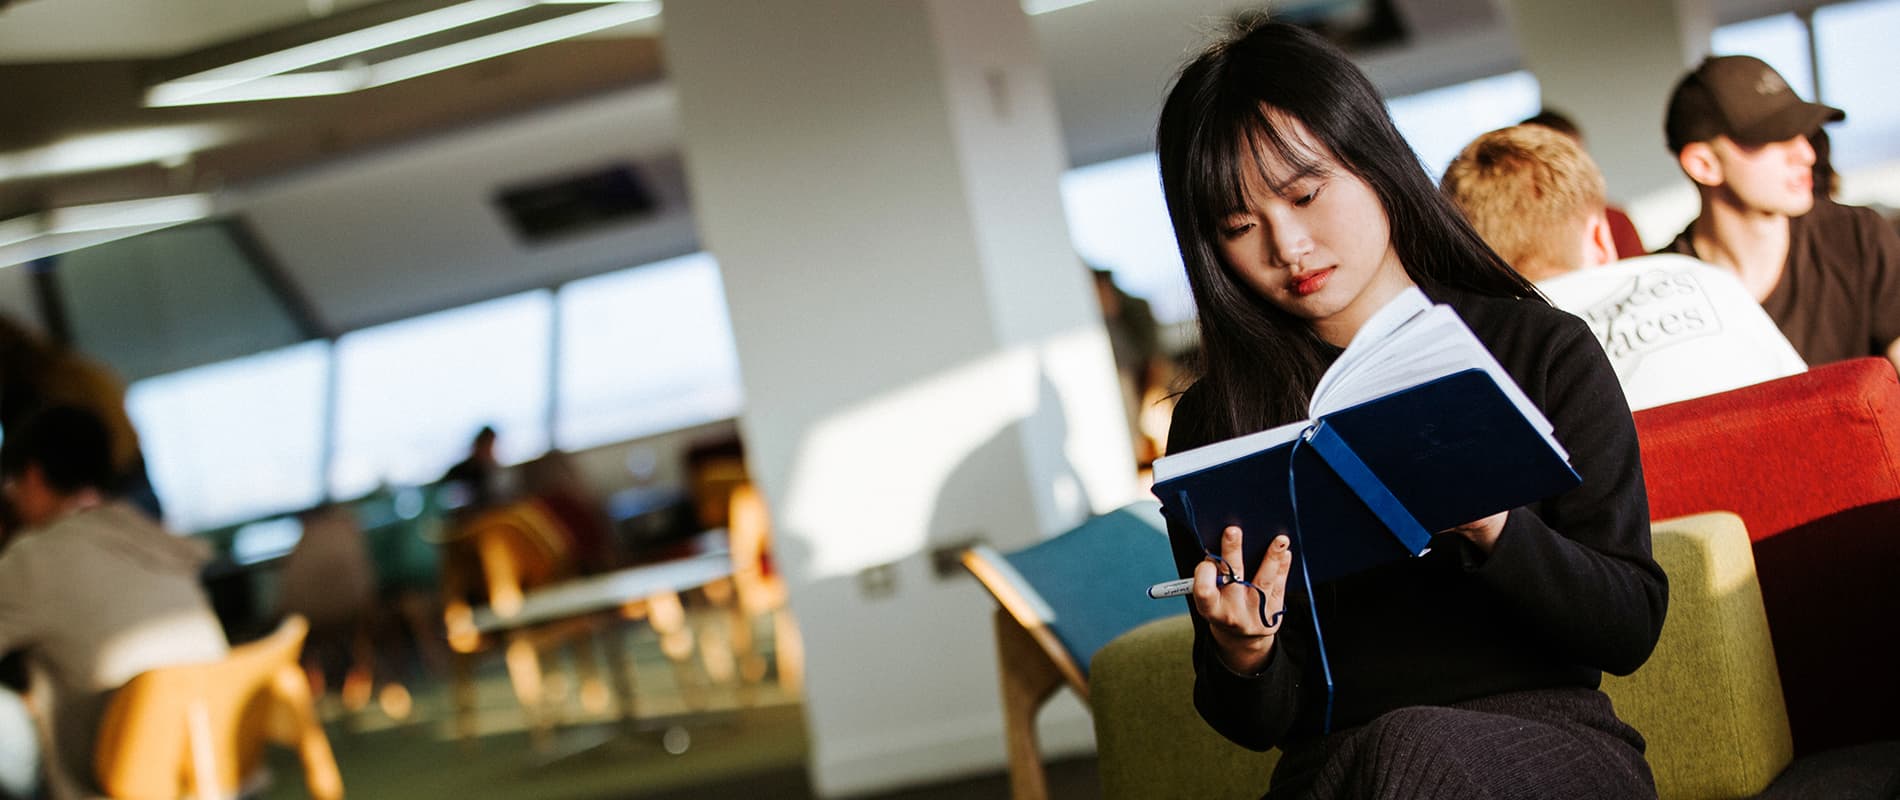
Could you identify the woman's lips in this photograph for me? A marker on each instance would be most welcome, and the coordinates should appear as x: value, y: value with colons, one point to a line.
x: 1312, y: 282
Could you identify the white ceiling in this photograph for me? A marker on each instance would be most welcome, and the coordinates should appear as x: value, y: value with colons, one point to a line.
x: 406, y: 224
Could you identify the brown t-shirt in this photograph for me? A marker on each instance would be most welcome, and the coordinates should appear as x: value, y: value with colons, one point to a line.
x: 1839, y: 293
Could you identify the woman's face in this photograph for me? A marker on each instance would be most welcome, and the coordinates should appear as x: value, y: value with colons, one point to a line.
x: 1314, y: 242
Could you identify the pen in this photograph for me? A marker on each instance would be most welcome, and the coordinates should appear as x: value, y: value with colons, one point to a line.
x: 1168, y: 589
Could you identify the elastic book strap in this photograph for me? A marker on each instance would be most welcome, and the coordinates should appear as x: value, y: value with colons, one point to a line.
x: 1367, y: 486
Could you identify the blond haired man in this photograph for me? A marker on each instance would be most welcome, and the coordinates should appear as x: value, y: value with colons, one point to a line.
x: 1674, y: 327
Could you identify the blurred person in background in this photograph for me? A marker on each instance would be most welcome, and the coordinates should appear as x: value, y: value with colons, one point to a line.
x: 36, y: 374
x: 94, y: 591
x: 554, y: 482
x: 1135, y: 339
x: 477, y: 478
x: 1622, y: 229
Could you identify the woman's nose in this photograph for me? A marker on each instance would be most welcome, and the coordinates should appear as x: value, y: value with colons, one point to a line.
x: 1291, y: 246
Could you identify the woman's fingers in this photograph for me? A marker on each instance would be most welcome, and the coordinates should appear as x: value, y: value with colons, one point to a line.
x: 1231, y: 550
x: 1207, y: 598
x: 1232, y: 610
x: 1272, y: 576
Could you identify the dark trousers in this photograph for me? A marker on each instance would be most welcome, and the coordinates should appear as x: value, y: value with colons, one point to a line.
x: 1558, y: 743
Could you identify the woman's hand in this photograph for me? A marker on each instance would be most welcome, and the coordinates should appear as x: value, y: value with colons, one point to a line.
x: 1484, y: 532
x: 1232, y: 611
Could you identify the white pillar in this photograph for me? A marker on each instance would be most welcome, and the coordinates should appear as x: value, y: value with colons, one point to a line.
x: 1610, y: 65
x: 922, y: 353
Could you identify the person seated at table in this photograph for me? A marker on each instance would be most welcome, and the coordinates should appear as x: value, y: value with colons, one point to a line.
x: 94, y: 591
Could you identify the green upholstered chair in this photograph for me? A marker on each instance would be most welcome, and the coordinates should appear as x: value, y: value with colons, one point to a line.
x: 1708, y: 701
x: 1149, y: 740
x: 1060, y: 601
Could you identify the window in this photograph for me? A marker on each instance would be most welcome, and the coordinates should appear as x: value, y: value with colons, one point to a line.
x: 1440, y: 122
x: 645, y: 350
x: 1781, y: 40
x: 236, y: 440
x: 1119, y: 222
x: 412, y: 394
x: 1858, y: 64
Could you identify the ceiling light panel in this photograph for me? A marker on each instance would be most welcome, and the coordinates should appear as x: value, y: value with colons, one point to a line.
x: 270, y: 76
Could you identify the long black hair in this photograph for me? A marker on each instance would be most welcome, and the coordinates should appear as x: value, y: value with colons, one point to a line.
x: 1259, y: 363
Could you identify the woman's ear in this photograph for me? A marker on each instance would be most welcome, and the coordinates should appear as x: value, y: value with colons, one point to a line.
x: 1698, y: 161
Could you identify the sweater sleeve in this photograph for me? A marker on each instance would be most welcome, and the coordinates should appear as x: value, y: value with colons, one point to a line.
x: 1253, y: 711
x: 1578, y: 566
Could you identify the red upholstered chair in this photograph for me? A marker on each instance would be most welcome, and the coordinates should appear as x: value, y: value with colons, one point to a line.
x: 1811, y: 463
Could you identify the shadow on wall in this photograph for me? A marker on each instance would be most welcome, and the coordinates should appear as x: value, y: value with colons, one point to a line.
x: 965, y: 511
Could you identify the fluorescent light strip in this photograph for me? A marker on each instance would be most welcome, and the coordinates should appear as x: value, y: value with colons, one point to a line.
x: 1046, y: 6
x: 269, y: 87
x: 309, y: 84
x: 63, y: 230
x: 509, y: 41
x: 345, y: 45
x: 129, y: 213
x: 20, y: 229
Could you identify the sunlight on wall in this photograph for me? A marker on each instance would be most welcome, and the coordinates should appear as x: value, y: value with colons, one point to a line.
x: 876, y: 459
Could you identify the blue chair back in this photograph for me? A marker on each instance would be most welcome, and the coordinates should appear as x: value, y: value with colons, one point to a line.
x: 1091, y: 582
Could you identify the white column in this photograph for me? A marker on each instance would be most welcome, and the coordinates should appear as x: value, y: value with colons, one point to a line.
x: 922, y: 353
x: 1610, y: 65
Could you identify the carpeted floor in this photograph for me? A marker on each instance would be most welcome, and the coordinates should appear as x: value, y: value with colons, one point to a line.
x: 723, y: 743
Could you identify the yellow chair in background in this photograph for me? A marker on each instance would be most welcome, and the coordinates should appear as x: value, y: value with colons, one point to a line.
x: 200, y: 729
x: 760, y: 590
x: 501, y: 555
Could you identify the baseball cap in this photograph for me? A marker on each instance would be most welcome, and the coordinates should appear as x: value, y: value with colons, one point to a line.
x: 1743, y: 98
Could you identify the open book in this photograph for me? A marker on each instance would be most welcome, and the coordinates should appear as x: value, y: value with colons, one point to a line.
x: 1415, y: 428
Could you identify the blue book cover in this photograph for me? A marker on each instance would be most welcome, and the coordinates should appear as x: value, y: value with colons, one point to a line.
x: 1441, y: 436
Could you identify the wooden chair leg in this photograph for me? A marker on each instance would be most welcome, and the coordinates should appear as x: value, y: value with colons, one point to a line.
x: 462, y: 674
x: 204, y: 779
x: 789, y: 651
x: 620, y: 674
x: 595, y: 695
x: 321, y: 775
x: 667, y: 615
x: 1028, y: 679
x: 524, y: 671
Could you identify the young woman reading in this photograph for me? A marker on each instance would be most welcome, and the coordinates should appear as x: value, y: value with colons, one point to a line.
x: 1471, y: 671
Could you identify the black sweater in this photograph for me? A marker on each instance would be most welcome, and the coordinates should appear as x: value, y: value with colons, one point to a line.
x: 1568, y: 592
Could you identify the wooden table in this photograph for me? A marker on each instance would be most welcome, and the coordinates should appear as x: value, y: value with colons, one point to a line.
x: 577, y: 610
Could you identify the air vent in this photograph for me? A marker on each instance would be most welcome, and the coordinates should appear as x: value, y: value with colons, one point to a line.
x: 570, y: 205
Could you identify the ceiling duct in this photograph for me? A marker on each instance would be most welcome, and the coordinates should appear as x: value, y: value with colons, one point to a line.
x: 556, y: 208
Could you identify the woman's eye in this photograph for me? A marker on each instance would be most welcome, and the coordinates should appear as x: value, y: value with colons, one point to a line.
x: 1307, y: 199
x: 1237, y: 229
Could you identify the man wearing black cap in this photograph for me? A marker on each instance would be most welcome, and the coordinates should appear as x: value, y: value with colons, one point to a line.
x: 1828, y: 275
